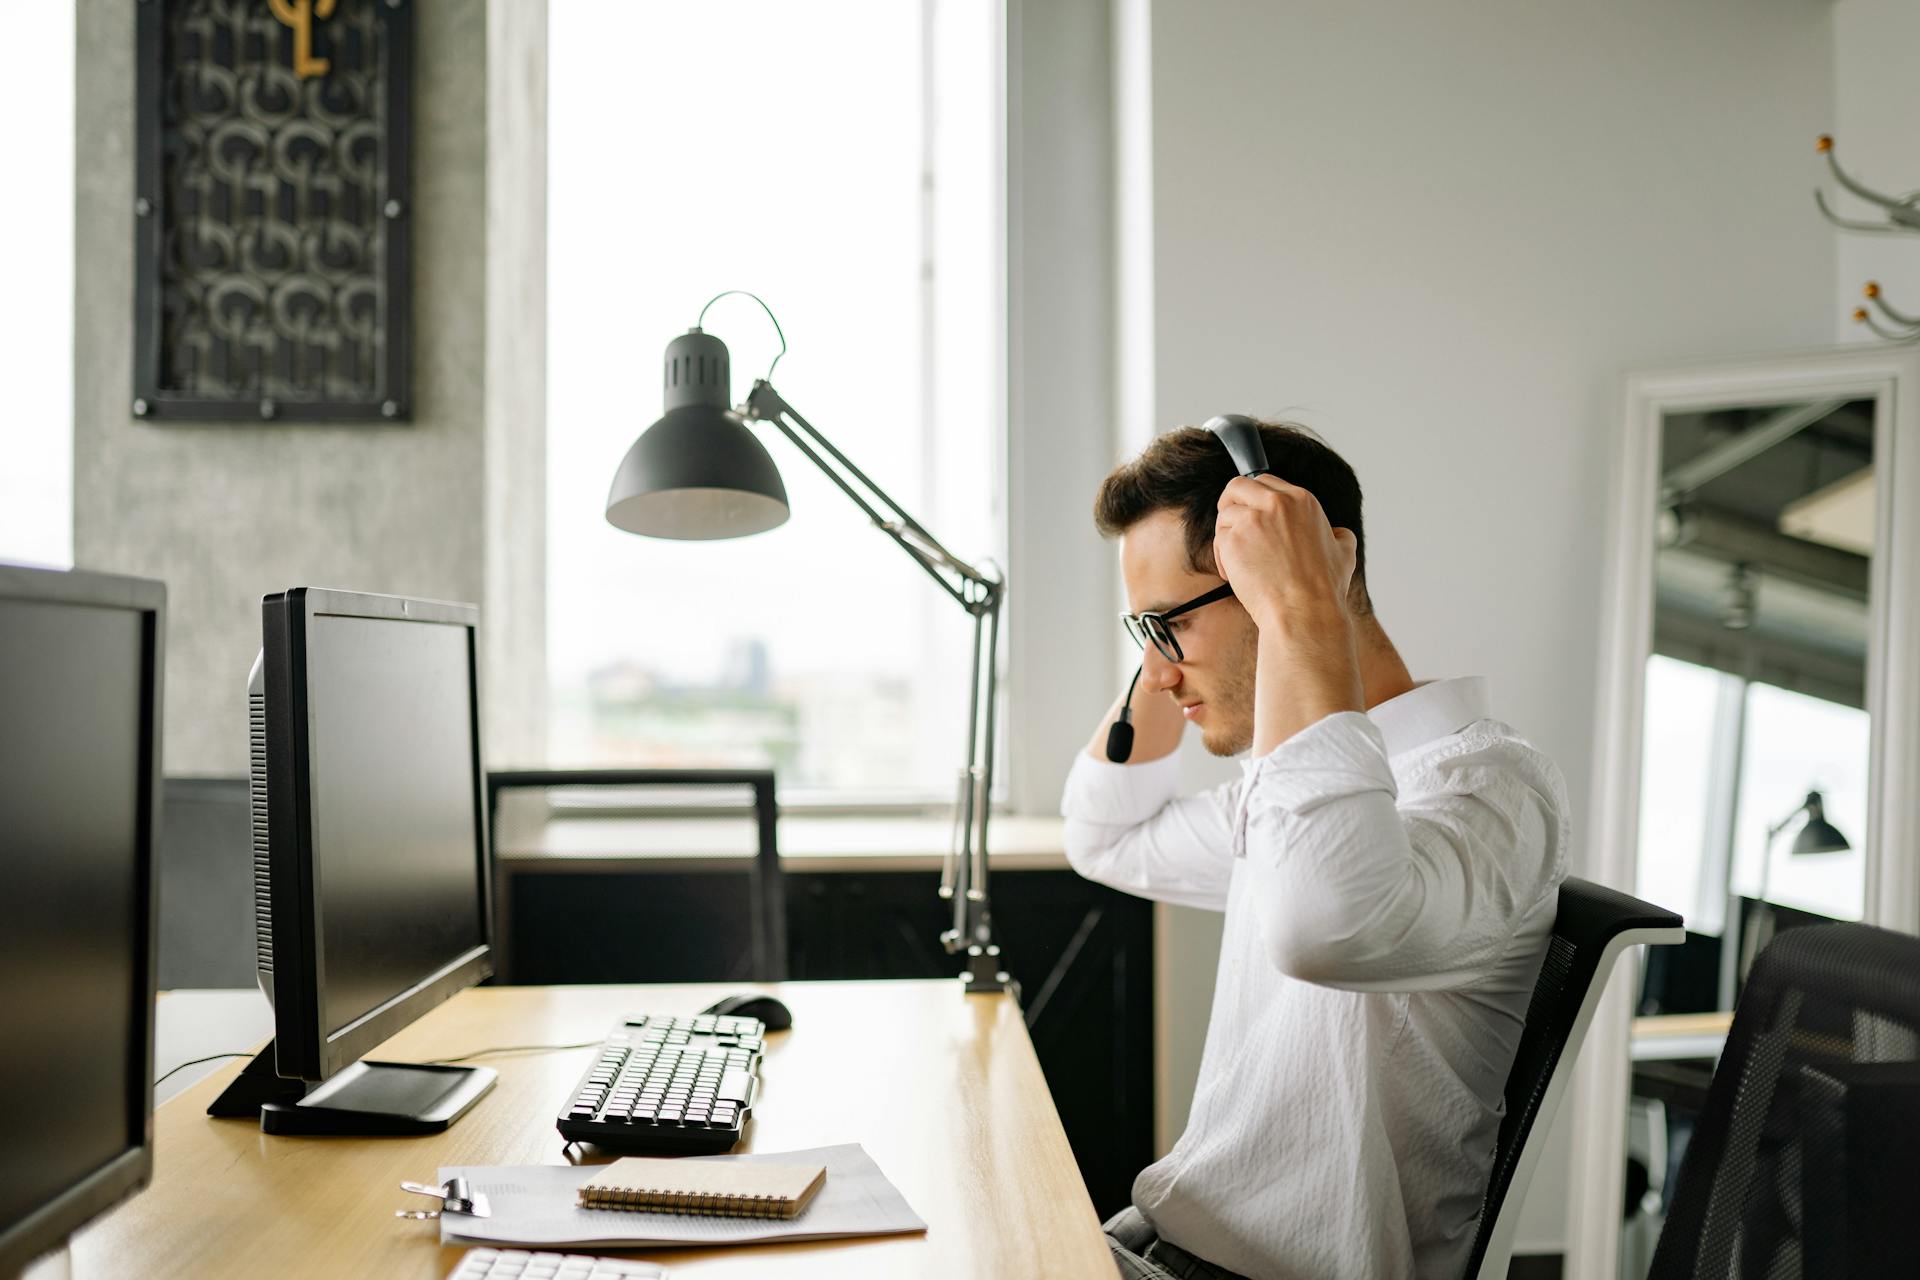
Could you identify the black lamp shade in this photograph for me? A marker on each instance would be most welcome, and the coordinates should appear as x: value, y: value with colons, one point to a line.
x: 699, y: 472
x: 1818, y: 835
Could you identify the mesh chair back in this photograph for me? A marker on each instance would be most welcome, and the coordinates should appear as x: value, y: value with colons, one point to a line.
x: 1806, y: 1159
x: 1593, y: 925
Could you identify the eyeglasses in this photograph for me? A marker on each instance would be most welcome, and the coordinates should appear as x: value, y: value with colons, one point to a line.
x: 1153, y: 626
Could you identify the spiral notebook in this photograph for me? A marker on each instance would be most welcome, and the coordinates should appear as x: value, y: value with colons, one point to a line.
x: 735, y: 1189
x: 538, y: 1206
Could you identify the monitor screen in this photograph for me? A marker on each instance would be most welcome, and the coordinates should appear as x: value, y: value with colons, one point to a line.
x: 394, y: 808
x: 72, y: 928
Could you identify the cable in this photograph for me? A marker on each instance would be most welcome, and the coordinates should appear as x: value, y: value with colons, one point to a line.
x: 512, y: 1048
x: 764, y: 307
x: 212, y: 1057
x: 437, y: 1062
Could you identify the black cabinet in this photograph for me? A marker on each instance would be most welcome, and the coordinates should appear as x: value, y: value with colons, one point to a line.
x: 1082, y: 954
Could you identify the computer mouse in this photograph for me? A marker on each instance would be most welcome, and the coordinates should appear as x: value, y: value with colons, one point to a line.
x: 753, y: 1005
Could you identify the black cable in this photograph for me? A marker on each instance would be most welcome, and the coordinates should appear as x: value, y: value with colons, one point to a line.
x: 437, y: 1062
x: 512, y: 1048
x: 212, y: 1057
x: 764, y: 307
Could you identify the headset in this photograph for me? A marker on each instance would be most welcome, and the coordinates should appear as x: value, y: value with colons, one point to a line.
x: 1241, y: 435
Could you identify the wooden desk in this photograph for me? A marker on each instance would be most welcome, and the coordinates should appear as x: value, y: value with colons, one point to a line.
x: 941, y: 1088
x: 629, y: 899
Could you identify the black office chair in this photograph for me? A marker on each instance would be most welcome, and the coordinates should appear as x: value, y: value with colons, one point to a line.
x: 765, y: 919
x: 1594, y: 924
x: 1806, y: 1160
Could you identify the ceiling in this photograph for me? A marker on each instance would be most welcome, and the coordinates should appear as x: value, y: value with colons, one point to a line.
x: 1768, y: 512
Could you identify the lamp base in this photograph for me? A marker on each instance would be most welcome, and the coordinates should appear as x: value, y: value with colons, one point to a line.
x: 983, y: 974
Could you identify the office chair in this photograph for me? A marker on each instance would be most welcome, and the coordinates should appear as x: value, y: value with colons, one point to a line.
x: 1592, y: 926
x: 766, y: 893
x: 1806, y: 1160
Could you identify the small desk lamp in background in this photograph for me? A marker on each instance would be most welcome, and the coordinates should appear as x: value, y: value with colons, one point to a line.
x: 1817, y: 836
x: 699, y: 473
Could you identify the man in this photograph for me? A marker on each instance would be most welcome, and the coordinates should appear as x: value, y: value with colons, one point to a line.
x: 1388, y: 864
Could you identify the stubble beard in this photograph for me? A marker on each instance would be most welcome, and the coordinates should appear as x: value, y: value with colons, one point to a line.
x: 1231, y: 703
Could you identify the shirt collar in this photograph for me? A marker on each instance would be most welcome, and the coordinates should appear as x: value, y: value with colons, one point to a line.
x: 1425, y: 713
x: 1430, y: 711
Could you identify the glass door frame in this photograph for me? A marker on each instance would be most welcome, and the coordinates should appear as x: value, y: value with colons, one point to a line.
x: 1890, y: 376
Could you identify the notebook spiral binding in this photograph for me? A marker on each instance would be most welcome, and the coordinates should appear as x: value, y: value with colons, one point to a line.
x: 722, y: 1204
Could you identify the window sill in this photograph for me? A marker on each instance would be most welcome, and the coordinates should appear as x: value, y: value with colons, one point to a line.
x: 808, y: 842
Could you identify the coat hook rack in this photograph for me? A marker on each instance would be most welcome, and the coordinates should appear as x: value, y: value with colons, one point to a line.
x: 1892, y: 324
x: 1902, y: 215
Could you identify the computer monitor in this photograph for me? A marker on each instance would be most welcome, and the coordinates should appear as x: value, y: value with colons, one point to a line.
x: 80, y: 675
x: 371, y: 872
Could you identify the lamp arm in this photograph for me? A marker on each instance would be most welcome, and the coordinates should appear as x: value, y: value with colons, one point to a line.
x: 765, y: 404
x: 980, y: 592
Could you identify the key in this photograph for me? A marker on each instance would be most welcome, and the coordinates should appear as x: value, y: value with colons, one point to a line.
x: 736, y: 1086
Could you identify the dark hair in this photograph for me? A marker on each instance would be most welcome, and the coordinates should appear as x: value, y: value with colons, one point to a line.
x: 1186, y: 469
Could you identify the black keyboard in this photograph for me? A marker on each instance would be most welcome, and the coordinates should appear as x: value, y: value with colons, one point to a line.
x: 669, y: 1084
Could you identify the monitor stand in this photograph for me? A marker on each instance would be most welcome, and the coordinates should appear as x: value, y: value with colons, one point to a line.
x: 365, y: 1099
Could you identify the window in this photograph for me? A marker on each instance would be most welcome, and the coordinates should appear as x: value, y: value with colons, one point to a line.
x: 1723, y: 759
x: 36, y: 326
x: 849, y: 170
x: 1676, y: 863
x: 1794, y: 744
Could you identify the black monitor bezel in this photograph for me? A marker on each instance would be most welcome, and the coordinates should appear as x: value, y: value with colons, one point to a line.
x: 50, y: 1226
x: 304, y: 1049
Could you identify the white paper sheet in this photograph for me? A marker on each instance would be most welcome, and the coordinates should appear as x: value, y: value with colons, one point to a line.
x: 535, y: 1205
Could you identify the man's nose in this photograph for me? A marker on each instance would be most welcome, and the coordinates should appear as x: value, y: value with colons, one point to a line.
x: 1159, y: 674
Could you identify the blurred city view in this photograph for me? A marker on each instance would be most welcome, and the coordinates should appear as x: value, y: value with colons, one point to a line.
x: 812, y: 729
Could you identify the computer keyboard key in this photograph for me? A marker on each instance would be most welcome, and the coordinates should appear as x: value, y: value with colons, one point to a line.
x: 521, y: 1265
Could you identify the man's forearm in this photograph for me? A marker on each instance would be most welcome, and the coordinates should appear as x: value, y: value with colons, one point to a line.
x: 1307, y: 668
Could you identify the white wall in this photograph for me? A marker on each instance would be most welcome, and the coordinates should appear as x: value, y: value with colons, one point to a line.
x: 1438, y: 234
x: 1060, y: 641
x: 1876, y: 103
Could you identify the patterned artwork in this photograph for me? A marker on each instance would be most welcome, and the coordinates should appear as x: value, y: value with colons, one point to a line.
x: 271, y: 224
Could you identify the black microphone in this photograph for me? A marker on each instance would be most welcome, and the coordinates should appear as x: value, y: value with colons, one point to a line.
x: 1120, y: 732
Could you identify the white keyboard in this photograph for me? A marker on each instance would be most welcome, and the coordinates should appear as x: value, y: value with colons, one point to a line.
x: 520, y: 1264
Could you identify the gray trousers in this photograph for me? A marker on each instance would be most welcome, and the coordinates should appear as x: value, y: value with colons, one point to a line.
x: 1139, y: 1254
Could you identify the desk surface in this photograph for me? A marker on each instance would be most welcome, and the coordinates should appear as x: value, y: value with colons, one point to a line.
x: 941, y: 1088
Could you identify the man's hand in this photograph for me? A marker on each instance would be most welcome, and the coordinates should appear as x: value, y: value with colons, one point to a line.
x: 1272, y: 542
x: 1291, y: 571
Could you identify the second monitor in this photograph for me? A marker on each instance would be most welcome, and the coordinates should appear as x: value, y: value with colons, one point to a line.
x: 371, y: 873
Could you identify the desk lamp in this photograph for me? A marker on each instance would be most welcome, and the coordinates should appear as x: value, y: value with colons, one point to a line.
x: 1817, y: 836
x: 700, y: 473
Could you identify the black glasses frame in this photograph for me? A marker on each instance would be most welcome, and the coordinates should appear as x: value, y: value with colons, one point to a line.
x: 1152, y: 625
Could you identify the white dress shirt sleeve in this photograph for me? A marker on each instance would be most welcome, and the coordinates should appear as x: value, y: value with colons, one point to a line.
x: 1127, y: 828
x: 1353, y: 891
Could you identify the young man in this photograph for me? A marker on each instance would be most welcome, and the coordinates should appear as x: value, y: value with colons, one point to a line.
x: 1388, y: 865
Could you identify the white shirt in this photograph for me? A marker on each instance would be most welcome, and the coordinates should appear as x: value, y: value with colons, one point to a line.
x: 1389, y: 882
